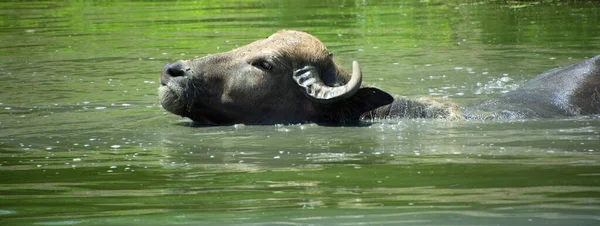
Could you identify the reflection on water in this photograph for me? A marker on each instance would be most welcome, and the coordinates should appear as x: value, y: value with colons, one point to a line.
x: 83, y: 140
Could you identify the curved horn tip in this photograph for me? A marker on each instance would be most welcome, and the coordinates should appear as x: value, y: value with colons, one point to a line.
x: 355, y: 66
x: 356, y: 78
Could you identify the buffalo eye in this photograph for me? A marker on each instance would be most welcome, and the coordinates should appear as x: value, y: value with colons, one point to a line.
x: 263, y: 65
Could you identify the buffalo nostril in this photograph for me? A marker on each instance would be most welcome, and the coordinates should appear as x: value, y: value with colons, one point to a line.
x: 175, y: 72
x: 177, y: 69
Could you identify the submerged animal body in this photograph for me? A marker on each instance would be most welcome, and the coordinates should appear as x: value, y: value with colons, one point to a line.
x: 290, y: 77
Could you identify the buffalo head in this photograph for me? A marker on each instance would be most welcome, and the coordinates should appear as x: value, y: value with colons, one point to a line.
x: 289, y: 77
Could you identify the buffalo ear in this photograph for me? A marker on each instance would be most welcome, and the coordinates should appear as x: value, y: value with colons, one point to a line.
x: 350, y: 109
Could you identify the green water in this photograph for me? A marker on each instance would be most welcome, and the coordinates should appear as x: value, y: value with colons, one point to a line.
x: 83, y: 140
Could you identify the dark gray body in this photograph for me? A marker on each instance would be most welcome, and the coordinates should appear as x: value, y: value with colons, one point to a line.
x: 567, y: 91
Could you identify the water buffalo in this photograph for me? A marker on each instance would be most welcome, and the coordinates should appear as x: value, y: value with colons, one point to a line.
x: 290, y: 77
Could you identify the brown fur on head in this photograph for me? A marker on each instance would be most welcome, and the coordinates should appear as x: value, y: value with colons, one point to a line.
x: 253, y: 84
x: 296, y: 46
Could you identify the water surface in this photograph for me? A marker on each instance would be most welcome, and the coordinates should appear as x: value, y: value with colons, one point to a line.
x: 83, y: 140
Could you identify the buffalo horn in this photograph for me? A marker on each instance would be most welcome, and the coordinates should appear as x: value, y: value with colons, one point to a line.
x: 314, y: 87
